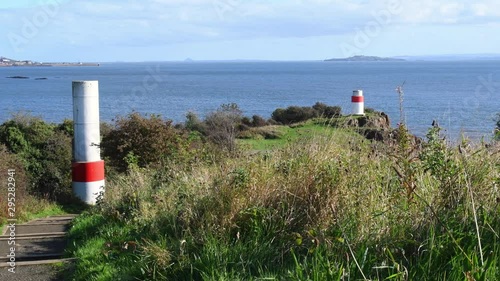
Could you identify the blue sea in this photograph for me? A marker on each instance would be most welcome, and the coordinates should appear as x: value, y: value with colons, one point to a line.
x: 462, y: 96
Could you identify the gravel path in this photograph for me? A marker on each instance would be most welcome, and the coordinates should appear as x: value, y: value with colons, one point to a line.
x: 30, y: 273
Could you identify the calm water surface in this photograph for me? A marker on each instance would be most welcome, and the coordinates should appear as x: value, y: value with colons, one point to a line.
x: 462, y: 96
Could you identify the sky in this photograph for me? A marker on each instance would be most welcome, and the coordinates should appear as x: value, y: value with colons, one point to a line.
x: 164, y: 30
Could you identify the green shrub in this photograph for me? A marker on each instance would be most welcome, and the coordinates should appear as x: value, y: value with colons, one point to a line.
x: 148, y: 138
x: 293, y: 114
x: 55, y: 179
x: 9, y: 161
x: 194, y: 123
x: 46, y: 153
x: 258, y: 121
x: 246, y: 121
x: 67, y: 127
x: 26, y: 205
x: 296, y: 114
x: 327, y: 111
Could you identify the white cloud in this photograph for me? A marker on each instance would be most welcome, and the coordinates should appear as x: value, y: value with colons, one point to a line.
x: 480, y: 9
x: 450, y: 12
x: 166, y: 22
x: 102, y: 8
x: 486, y: 8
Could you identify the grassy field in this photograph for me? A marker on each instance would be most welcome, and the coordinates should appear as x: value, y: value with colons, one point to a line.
x: 310, y: 203
x: 280, y: 136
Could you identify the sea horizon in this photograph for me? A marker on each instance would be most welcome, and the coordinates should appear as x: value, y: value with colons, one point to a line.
x: 458, y: 94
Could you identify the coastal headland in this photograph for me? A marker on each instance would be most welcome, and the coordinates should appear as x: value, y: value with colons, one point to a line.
x: 365, y: 59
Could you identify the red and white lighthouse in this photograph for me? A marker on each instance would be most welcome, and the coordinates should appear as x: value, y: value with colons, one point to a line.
x: 358, y: 103
x: 87, y: 167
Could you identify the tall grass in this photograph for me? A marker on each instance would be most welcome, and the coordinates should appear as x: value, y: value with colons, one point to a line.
x: 330, y: 207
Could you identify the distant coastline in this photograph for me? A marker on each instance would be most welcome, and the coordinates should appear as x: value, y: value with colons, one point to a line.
x: 365, y: 59
x: 6, y: 62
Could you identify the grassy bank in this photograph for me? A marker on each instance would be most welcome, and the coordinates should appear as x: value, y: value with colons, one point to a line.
x: 276, y: 137
x: 297, y: 197
x: 327, y: 206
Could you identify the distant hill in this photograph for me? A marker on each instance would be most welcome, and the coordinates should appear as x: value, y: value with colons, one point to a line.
x: 366, y: 58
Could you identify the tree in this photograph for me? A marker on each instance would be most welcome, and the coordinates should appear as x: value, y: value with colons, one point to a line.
x: 221, y: 126
x: 193, y: 122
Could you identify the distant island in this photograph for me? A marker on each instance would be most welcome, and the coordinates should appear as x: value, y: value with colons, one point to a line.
x: 5, y: 62
x: 366, y: 58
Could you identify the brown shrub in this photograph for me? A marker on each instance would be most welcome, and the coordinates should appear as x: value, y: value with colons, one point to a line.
x: 222, y: 126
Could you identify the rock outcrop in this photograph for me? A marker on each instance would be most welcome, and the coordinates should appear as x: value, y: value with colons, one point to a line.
x: 375, y: 126
x: 377, y: 120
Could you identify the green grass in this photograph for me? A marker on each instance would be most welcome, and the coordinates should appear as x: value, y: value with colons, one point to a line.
x: 297, y: 132
x: 98, y: 244
x: 38, y: 209
x: 50, y: 210
x: 316, y: 202
x: 322, y: 204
